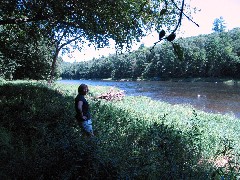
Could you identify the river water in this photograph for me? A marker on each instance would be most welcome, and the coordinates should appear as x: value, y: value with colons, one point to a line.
x: 214, y: 97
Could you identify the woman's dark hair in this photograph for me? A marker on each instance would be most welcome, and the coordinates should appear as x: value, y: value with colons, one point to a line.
x: 81, y: 87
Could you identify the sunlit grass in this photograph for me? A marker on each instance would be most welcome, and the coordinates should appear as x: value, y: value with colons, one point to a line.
x: 209, y: 131
x: 136, y: 138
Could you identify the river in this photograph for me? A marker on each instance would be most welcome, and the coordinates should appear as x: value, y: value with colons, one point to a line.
x: 214, y: 97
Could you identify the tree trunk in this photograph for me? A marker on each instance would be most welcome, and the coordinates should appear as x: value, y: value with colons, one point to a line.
x: 53, y: 67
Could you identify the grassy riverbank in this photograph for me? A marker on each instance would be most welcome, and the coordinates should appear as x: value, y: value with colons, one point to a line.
x: 136, y: 138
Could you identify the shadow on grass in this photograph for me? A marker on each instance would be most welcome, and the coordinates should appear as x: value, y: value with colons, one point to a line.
x: 39, y: 138
x: 154, y: 151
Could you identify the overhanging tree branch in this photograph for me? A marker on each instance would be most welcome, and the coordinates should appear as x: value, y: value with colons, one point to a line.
x: 98, y: 21
x: 172, y: 36
x: 184, y: 13
x: 69, y: 41
x: 180, y: 16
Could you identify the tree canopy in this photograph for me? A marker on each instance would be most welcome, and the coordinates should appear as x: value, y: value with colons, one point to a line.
x: 95, y: 20
x: 219, y: 25
x: 77, y: 22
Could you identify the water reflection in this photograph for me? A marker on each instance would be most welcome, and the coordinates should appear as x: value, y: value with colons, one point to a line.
x: 206, y: 96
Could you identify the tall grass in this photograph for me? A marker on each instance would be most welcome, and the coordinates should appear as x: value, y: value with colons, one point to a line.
x: 136, y: 138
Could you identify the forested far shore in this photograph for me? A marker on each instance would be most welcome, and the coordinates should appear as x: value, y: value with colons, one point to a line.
x: 215, y: 55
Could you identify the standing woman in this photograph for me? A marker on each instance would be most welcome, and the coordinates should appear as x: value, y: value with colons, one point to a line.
x: 82, y: 111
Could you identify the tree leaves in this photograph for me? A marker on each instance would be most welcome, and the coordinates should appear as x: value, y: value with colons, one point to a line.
x: 163, y: 11
x: 178, y: 51
x: 219, y: 25
x: 26, y: 53
x: 119, y: 20
x: 95, y: 21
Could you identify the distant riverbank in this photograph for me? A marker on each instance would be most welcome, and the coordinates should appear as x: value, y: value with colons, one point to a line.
x: 229, y: 81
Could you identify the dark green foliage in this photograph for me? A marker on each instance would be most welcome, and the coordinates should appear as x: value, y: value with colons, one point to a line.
x: 26, y: 54
x: 178, y: 51
x: 213, y: 55
x: 96, y: 21
x: 75, y: 23
x: 148, y: 149
x: 7, y: 67
x: 143, y: 151
x: 39, y: 137
x: 163, y: 11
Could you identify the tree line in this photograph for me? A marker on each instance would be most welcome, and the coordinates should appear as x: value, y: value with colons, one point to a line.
x: 212, y: 55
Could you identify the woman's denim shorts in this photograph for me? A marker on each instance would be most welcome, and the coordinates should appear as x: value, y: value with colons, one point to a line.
x: 87, y: 126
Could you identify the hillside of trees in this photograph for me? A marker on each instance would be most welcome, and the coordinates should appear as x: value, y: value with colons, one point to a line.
x: 213, y: 55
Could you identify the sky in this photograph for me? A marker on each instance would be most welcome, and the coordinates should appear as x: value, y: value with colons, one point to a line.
x: 209, y: 11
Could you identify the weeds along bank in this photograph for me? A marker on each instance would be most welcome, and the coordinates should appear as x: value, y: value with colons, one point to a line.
x: 167, y: 139
x: 137, y: 138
